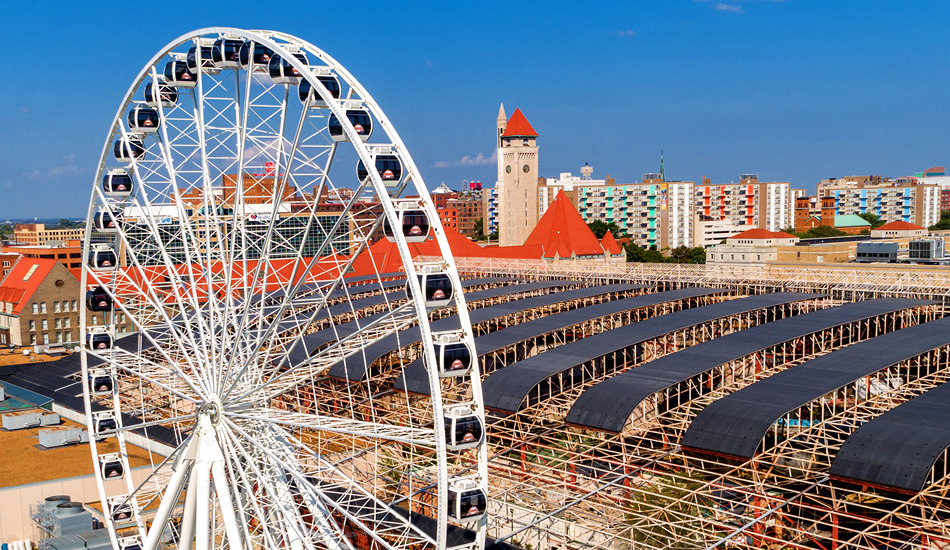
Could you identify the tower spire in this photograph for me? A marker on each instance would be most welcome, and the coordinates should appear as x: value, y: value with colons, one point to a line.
x: 662, y: 171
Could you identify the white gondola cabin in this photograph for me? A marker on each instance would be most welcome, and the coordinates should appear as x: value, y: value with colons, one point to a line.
x: 130, y: 543
x: 226, y: 53
x: 143, y: 119
x: 388, y: 167
x: 436, y: 285
x: 104, y: 421
x: 360, y: 119
x: 106, y: 222
x: 329, y: 82
x: 411, y: 220
x: 97, y: 299
x: 467, y: 501
x: 117, y: 183
x: 101, y: 382
x: 282, y: 72
x: 178, y: 74
x: 128, y: 148
x: 254, y: 55
x: 102, y: 258
x: 110, y: 466
x: 99, y: 340
x: 463, y: 429
x: 167, y: 96
x: 453, y: 353
x: 207, y: 63
x: 120, y: 510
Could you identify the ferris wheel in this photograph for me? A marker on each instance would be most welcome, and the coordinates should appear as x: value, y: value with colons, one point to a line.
x: 231, y: 252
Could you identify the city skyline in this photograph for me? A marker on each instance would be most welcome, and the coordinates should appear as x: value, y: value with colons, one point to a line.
x: 794, y: 91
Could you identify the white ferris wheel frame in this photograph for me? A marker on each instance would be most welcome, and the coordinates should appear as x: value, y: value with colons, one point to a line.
x: 197, y: 451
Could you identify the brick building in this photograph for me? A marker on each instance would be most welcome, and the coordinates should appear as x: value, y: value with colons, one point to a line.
x: 36, y: 234
x: 40, y: 303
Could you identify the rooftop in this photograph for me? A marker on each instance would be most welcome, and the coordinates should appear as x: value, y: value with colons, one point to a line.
x: 518, y: 125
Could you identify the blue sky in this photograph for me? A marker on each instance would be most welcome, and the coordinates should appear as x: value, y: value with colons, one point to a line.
x: 792, y: 90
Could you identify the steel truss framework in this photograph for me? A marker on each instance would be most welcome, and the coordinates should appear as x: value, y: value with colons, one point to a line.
x: 555, y: 485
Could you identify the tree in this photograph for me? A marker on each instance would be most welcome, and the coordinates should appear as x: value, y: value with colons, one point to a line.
x: 944, y: 222
x: 479, y: 229
x: 645, y: 255
x: 872, y: 219
x: 600, y: 228
x: 822, y: 231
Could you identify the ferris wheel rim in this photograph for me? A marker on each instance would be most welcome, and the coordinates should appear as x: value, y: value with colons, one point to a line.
x: 389, y: 212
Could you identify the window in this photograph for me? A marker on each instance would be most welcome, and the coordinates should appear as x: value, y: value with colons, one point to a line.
x: 68, y: 335
x: 58, y: 323
x: 42, y: 307
x: 32, y: 325
x: 36, y: 308
x: 65, y: 322
x: 74, y: 305
x: 32, y: 338
x: 59, y: 337
x: 46, y: 338
x: 44, y: 325
x: 55, y: 307
x: 94, y: 320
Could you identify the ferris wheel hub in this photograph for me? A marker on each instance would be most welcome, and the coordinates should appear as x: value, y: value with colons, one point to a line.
x: 213, y: 410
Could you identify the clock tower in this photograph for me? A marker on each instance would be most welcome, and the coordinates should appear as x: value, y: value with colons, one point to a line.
x: 517, y: 188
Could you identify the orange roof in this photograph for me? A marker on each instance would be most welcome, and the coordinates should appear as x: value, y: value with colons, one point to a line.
x: 900, y: 226
x: 562, y: 231
x: 24, y: 278
x: 518, y: 125
x: 610, y: 244
x: 759, y: 233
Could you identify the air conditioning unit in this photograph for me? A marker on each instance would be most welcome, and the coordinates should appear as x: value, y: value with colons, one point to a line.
x: 50, y: 419
x: 70, y: 520
x: 58, y: 437
x: 22, y: 420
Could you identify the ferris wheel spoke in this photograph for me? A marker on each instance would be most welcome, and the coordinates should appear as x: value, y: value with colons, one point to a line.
x: 172, y: 380
x: 308, y: 370
x: 344, y: 426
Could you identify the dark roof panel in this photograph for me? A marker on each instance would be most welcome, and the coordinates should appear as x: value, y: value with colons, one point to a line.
x: 415, y: 378
x: 609, y: 404
x: 356, y: 366
x: 899, y: 448
x: 506, y: 389
x: 735, y: 424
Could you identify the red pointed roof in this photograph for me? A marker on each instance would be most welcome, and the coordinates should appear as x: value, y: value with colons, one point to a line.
x: 900, y: 226
x: 562, y: 231
x: 759, y: 233
x: 610, y: 245
x: 518, y: 125
x: 24, y: 278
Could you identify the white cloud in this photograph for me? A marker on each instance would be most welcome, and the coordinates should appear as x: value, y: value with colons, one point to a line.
x: 728, y: 8
x: 625, y: 32
x: 66, y: 168
x: 468, y: 160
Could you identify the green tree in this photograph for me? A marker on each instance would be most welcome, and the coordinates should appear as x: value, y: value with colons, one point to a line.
x: 600, y: 228
x: 645, y: 255
x: 872, y: 219
x: 822, y: 231
x: 944, y: 222
x: 479, y: 230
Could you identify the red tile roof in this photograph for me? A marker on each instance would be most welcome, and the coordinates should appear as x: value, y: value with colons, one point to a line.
x: 562, y: 231
x: 610, y: 244
x: 759, y: 233
x: 518, y: 125
x: 900, y: 226
x: 23, y: 280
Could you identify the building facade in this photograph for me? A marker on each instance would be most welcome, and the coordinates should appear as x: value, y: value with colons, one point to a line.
x: 36, y: 234
x: 903, y: 199
x: 39, y: 302
x: 766, y: 205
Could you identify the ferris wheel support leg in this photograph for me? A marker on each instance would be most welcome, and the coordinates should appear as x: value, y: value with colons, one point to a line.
x: 227, y: 506
x: 203, y: 512
x: 169, y: 499
x: 187, y: 538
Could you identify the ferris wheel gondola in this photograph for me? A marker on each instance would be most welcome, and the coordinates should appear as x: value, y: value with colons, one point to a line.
x: 216, y: 241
